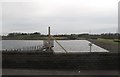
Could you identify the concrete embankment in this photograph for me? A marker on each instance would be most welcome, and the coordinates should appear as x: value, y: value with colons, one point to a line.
x: 83, y: 61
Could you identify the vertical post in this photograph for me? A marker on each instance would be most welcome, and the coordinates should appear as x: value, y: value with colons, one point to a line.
x: 49, y: 37
x: 49, y: 33
x: 90, y: 44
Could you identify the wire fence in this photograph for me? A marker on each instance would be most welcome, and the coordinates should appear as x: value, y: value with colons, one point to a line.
x: 25, y: 49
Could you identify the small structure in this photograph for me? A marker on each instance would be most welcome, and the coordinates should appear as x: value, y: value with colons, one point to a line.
x: 48, y: 44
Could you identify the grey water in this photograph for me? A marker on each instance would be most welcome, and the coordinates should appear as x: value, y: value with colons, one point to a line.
x: 69, y: 45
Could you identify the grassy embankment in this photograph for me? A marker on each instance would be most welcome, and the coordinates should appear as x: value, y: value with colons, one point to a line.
x: 111, y: 45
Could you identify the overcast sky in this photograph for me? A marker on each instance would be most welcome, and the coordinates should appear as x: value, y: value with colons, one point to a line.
x: 64, y: 16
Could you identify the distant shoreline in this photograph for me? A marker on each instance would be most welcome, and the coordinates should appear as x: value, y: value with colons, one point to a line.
x: 39, y: 36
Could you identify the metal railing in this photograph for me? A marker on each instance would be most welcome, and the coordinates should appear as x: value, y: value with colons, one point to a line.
x: 25, y: 49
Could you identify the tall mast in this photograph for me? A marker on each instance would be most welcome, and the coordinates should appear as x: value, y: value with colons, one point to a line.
x: 49, y: 33
x: 49, y: 37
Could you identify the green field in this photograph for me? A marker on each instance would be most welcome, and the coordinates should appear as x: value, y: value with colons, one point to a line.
x: 109, y: 41
x: 111, y: 45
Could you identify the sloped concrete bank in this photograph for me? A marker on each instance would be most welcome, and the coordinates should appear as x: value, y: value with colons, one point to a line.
x: 83, y: 61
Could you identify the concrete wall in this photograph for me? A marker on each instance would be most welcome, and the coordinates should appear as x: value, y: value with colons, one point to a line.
x: 85, y: 61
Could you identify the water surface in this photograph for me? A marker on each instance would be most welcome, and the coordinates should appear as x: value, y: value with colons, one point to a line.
x: 69, y: 45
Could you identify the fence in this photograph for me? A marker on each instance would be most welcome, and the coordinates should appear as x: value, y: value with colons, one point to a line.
x: 27, y: 49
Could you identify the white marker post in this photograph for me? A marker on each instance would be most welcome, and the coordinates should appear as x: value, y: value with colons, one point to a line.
x: 90, y: 44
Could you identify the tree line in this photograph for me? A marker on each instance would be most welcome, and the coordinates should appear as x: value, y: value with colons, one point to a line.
x: 39, y: 36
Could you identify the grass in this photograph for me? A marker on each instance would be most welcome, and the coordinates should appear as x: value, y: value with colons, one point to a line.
x: 108, y: 41
x: 108, y: 44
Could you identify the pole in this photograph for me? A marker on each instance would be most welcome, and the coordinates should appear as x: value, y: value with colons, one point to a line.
x: 49, y: 36
x: 60, y: 45
x: 90, y: 44
x: 49, y: 32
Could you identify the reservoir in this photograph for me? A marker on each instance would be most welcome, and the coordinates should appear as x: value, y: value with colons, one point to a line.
x: 69, y: 45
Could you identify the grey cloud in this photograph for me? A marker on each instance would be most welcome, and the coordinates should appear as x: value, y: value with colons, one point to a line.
x: 25, y: 17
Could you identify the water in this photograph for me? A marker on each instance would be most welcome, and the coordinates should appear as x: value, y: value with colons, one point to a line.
x: 69, y: 45
x: 14, y: 44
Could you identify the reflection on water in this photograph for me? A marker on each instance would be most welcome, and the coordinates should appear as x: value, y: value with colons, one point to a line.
x: 69, y: 45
